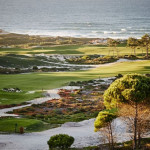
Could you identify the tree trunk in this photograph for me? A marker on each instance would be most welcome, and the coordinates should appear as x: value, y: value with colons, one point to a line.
x: 139, y: 141
x: 109, y: 138
x: 146, y: 50
x: 111, y: 135
x: 142, y: 53
x: 139, y: 137
x: 134, y: 51
x: 135, y: 127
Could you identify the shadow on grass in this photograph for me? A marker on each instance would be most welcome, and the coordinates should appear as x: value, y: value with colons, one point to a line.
x: 147, y: 67
x: 67, y: 49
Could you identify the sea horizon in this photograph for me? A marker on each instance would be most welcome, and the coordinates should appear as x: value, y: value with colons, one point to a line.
x: 76, y: 18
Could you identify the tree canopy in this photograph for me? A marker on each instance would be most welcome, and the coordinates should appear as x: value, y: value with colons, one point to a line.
x: 133, y: 43
x: 145, y: 42
x: 112, y: 42
x: 103, y: 119
x: 130, y: 88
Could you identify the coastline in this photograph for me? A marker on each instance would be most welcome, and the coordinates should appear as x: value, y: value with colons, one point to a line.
x: 14, y: 40
x: 3, y: 32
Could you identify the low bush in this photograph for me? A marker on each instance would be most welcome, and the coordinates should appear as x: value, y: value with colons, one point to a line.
x: 92, y: 59
x: 60, y: 141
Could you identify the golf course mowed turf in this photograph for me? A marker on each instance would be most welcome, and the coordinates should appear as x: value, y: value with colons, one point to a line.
x: 73, y: 49
x: 43, y: 81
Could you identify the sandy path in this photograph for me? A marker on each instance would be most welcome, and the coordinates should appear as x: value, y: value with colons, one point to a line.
x: 51, y: 94
x: 83, y: 132
x: 65, y: 64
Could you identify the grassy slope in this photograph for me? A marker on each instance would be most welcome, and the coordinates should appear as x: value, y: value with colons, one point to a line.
x: 39, y: 81
x: 17, y: 98
x: 30, y: 125
x: 20, y: 61
x: 69, y: 49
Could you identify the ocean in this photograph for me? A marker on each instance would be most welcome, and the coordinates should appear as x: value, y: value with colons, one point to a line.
x: 76, y: 18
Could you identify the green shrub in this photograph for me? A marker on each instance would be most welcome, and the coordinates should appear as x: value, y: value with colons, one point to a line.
x: 35, y: 68
x: 119, y: 75
x: 60, y: 141
x: 85, y: 57
x: 72, y: 83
